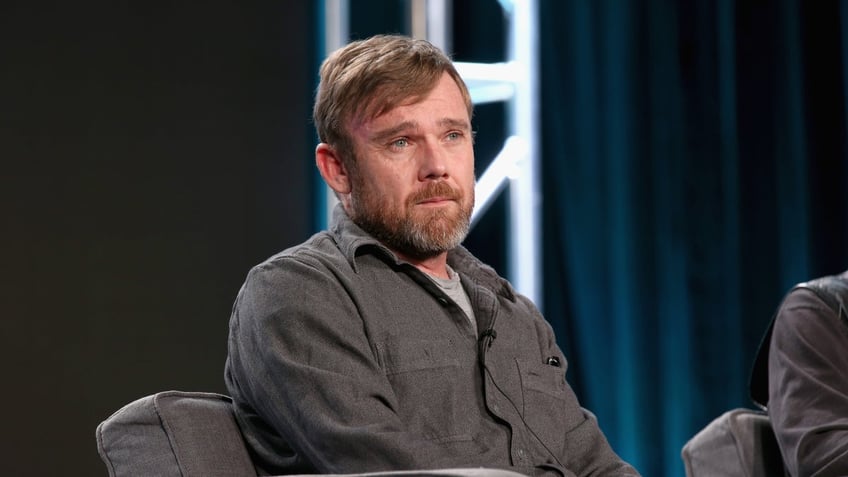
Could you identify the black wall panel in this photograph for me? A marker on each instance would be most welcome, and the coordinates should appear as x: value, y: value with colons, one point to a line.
x: 151, y: 153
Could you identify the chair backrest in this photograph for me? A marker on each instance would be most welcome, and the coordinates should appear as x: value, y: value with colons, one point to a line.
x: 174, y: 433
x: 739, y: 443
x: 194, y: 434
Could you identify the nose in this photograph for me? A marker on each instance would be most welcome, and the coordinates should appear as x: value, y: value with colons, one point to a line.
x: 433, y: 163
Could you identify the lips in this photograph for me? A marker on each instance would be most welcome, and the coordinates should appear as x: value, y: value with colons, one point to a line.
x: 434, y: 200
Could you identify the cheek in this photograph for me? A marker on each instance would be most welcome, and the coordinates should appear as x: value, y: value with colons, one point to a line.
x: 384, y: 192
x: 466, y: 165
x: 466, y: 175
x: 397, y: 186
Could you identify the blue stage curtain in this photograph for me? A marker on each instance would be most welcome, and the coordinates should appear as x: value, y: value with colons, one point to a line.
x: 694, y: 168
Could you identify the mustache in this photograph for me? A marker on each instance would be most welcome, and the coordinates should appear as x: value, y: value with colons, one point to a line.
x: 435, y: 189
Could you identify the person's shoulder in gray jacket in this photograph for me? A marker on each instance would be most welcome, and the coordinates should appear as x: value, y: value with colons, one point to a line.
x: 808, y: 384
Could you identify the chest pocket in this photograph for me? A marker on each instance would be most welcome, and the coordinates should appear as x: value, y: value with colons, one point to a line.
x: 434, y: 388
x: 548, y: 405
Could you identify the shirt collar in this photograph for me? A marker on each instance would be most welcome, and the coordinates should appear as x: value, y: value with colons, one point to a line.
x: 353, y: 241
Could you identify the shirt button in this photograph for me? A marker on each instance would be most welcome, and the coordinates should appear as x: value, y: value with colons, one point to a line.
x: 521, y: 453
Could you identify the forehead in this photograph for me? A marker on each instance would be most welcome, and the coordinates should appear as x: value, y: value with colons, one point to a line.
x: 444, y: 104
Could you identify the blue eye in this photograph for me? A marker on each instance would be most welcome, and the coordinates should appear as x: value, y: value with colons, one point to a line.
x: 400, y: 143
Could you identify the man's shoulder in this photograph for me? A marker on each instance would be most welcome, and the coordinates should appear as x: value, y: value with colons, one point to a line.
x: 828, y: 294
x: 814, y: 310
x: 831, y: 291
x: 319, y: 251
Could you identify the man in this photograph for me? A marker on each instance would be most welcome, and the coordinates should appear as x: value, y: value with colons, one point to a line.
x: 382, y: 344
x: 808, y: 377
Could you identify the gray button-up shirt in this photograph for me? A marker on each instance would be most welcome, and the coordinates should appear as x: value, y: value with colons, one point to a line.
x: 343, y: 358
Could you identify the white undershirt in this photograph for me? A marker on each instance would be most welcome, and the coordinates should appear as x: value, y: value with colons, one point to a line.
x: 454, y: 289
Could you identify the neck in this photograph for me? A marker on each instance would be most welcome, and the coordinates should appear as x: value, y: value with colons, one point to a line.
x: 436, y: 266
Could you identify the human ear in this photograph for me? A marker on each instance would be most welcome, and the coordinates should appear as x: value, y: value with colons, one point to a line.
x: 332, y: 169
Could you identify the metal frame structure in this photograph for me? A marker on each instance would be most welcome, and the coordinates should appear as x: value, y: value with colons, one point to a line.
x: 514, y: 82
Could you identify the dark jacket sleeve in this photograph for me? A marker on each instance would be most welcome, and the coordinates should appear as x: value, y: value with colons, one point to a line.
x: 300, y: 359
x: 808, y: 386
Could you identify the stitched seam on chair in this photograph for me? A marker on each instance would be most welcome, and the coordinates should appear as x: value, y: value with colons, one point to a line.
x: 102, y: 451
x: 168, y: 433
x: 733, y: 424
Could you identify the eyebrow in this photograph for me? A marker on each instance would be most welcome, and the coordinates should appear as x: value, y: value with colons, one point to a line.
x: 407, y: 125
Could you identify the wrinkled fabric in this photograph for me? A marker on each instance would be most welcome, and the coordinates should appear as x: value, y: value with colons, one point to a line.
x: 343, y: 358
x: 808, y: 386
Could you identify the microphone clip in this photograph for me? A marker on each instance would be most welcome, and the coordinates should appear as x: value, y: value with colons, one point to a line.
x: 488, y: 336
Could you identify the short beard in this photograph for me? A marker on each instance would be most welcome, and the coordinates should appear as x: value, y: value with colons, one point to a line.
x: 425, y: 236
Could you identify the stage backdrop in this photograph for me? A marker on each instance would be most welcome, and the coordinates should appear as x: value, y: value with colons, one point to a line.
x: 151, y: 153
x: 694, y: 168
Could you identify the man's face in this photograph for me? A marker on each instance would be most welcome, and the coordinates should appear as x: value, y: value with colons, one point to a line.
x: 413, y: 185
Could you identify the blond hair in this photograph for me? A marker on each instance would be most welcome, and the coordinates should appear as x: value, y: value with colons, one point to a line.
x: 367, y: 78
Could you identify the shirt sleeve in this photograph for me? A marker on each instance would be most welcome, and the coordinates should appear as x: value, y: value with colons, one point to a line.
x: 299, y: 355
x: 808, y: 386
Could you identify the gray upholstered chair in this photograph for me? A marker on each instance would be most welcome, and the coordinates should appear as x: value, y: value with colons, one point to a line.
x: 740, y: 442
x: 188, y: 434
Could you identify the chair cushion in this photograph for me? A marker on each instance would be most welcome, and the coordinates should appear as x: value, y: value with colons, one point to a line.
x: 174, y: 433
x: 740, y: 442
